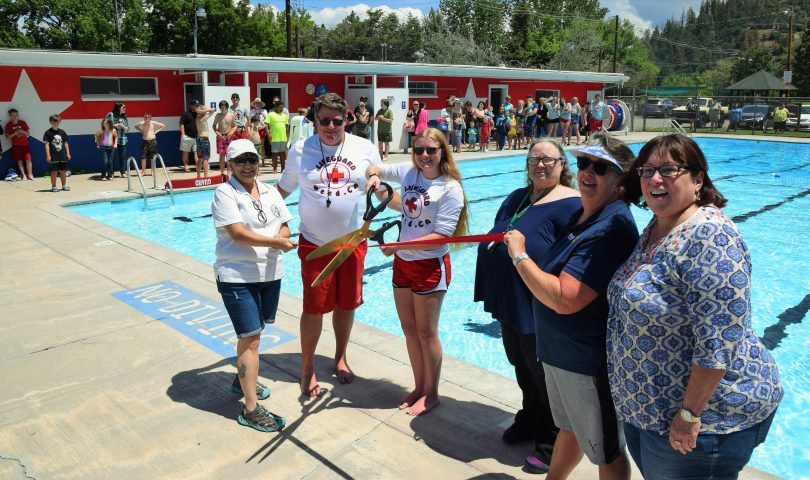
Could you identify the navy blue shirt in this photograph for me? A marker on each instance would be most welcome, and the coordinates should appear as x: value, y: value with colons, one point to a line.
x: 497, y: 282
x: 591, y: 252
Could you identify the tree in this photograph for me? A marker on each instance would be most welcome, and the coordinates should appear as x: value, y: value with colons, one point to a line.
x: 753, y: 60
x: 801, y: 65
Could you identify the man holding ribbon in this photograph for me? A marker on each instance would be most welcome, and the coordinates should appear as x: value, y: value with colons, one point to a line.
x: 330, y: 170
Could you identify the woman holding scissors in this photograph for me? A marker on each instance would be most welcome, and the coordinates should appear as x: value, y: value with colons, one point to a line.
x: 433, y: 207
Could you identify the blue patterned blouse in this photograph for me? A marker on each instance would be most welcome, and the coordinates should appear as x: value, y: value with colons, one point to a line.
x: 686, y: 301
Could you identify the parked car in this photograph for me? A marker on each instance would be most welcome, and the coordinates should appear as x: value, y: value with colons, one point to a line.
x: 658, y: 107
x: 756, y: 117
x: 684, y: 115
x: 804, y: 120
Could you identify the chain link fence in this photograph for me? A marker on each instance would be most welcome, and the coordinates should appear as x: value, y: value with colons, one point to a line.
x: 654, y: 113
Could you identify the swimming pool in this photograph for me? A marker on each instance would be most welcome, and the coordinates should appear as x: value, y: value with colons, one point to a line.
x: 768, y: 187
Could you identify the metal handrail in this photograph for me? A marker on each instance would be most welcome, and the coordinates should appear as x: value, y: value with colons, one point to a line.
x: 675, y: 125
x: 131, y: 160
x: 159, y: 159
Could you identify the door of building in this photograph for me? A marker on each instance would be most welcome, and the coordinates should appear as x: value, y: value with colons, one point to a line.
x: 269, y: 90
x: 497, y: 95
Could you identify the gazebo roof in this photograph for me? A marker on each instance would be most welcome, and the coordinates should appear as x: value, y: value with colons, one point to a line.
x: 761, y: 80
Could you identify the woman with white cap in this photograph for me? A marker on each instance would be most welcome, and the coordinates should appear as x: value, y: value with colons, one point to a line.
x: 251, y: 222
x: 570, y: 311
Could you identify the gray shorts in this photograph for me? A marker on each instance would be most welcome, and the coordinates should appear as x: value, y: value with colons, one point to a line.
x: 188, y: 144
x: 582, y: 404
x: 278, y: 147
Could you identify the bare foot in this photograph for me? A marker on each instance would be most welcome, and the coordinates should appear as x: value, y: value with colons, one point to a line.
x: 423, y: 405
x: 30, y: 177
x: 310, y: 387
x: 410, y: 399
x: 343, y: 373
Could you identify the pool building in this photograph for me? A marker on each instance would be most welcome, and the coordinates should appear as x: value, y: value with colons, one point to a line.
x: 83, y: 86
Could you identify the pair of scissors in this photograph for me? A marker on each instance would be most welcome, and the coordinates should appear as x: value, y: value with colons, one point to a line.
x: 346, y: 244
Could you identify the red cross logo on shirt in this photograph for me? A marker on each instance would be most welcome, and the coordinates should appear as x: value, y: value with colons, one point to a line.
x: 335, y: 175
x: 411, y: 204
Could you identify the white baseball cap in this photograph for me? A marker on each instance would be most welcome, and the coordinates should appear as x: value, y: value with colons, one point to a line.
x: 240, y: 147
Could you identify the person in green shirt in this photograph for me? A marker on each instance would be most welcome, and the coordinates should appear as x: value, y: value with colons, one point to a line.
x: 780, y: 116
x: 385, y: 117
x: 278, y: 125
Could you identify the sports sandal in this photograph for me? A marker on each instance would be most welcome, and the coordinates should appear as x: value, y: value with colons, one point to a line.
x: 534, y: 465
x: 262, y: 392
x: 262, y: 420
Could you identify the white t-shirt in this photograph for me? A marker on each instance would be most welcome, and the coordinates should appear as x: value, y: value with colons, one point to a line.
x: 428, y: 206
x: 238, y: 263
x: 240, y: 116
x: 336, y: 172
x: 598, y: 111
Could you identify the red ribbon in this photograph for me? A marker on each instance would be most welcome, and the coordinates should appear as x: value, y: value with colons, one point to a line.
x: 487, y: 237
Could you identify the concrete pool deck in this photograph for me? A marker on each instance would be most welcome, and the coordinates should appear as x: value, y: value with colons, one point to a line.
x: 93, y: 388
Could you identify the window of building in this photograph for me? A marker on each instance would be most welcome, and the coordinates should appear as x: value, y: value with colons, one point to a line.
x: 546, y: 93
x: 422, y: 89
x: 124, y: 88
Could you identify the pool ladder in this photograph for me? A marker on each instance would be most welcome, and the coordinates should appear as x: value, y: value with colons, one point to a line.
x: 672, y: 125
x: 155, y: 159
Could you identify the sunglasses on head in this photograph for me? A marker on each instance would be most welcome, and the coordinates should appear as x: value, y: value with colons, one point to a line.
x: 429, y: 150
x: 334, y: 121
x: 599, y: 168
x: 241, y: 160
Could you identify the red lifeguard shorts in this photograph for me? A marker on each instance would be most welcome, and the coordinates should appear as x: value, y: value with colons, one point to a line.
x: 596, y: 125
x: 422, y: 276
x: 342, y: 289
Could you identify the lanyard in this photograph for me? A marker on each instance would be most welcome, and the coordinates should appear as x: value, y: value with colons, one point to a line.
x: 519, y: 213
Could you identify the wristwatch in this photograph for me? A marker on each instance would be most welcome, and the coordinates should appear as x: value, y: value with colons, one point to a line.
x: 519, y: 258
x: 689, y: 417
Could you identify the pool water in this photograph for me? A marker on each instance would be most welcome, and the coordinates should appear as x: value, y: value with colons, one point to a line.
x: 768, y: 187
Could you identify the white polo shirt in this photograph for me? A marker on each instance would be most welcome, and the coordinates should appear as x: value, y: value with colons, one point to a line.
x: 238, y: 263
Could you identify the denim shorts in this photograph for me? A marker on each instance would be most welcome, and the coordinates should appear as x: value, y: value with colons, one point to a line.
x: 250, y: 305
x: 716, y: 457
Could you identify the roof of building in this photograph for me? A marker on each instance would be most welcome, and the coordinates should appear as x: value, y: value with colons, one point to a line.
x: 52, y: 58
x: 761, y: 80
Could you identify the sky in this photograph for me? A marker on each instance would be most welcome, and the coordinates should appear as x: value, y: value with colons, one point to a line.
x: 643, y: 13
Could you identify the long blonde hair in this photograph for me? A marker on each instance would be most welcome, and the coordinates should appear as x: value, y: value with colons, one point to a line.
x: 449, y: 169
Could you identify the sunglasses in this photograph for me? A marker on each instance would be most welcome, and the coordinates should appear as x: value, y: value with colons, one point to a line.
x: 334, y: 121
x: 668, y: 170
x: 546, y: 161
x: 240, y: 160
x: 258, y: 206
x: 599, y: 168
x: 429, y: 150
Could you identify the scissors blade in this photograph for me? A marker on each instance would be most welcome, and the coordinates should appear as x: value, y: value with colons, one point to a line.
x: 342, y: 255
x: 336, y: 245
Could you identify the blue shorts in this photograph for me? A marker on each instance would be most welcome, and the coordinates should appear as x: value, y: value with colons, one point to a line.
x: 250, y: 305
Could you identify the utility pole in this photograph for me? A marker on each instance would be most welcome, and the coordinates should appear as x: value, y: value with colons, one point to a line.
x: 298, y: 52
x: 615, y: 42
x: 288, y: 16
x: 789, y: 45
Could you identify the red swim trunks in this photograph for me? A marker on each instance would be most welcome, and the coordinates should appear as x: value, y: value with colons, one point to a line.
x: 342, y: 289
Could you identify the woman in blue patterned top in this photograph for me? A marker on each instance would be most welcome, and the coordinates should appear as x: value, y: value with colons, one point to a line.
x: 687, y: 373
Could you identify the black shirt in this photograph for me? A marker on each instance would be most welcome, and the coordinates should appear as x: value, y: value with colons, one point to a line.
x: 189, y: 122
x: 56, y: 141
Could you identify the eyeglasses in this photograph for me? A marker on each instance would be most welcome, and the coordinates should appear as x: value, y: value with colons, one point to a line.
x: 668, y: 170
x: 257, y: 204
x: 429, y: 150
x: 240, y: 160
x: 326, y: 121
x: 546, y: 161
x: 599, y: 168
